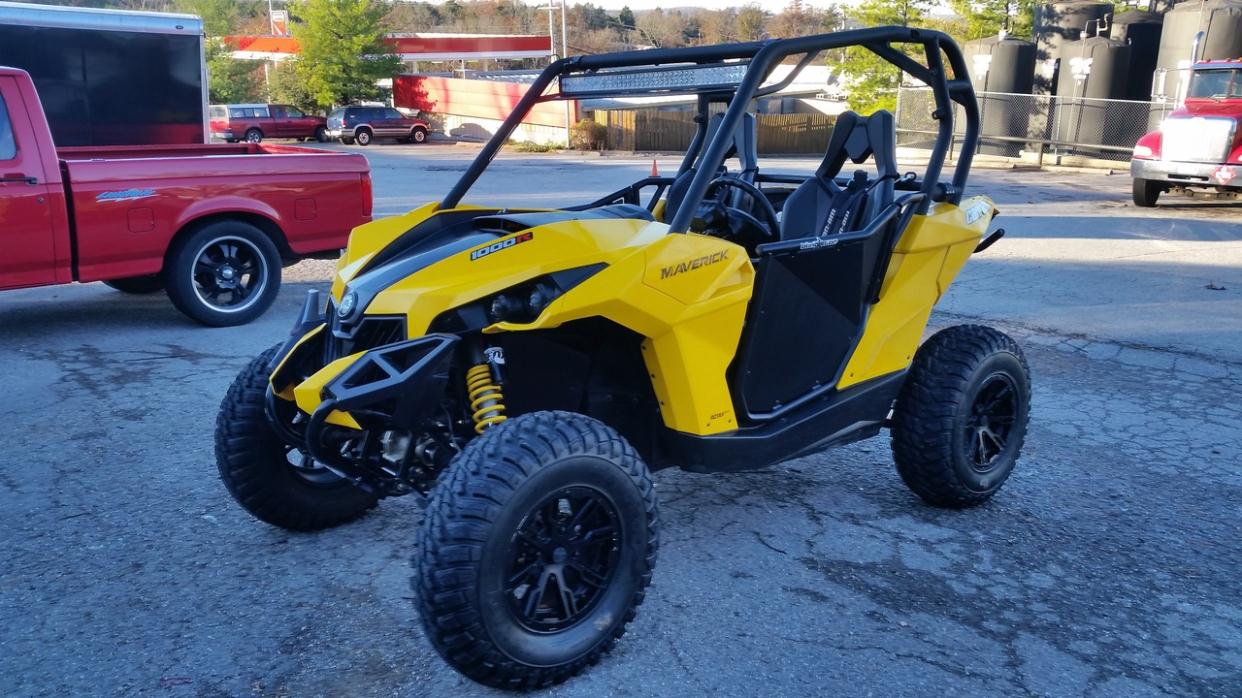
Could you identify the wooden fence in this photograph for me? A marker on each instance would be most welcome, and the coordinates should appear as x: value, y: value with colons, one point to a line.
x: 649, y: 130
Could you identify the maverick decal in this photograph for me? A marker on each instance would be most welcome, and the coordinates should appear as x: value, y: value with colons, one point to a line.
x: 498, y: 246
x: 693, y: 264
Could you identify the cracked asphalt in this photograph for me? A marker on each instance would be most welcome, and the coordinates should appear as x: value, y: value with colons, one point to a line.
x: 1109, y: 565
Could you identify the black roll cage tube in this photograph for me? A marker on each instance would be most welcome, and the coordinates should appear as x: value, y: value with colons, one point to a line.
x: 763, y: 57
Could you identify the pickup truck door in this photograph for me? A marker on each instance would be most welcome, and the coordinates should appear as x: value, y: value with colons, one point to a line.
x: 293, y: 124
x: 27, y: 240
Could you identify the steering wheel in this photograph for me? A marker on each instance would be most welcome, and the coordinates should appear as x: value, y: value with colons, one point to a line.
x: 739, y: 223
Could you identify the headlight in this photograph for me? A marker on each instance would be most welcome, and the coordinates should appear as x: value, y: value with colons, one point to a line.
x: 349, y: 301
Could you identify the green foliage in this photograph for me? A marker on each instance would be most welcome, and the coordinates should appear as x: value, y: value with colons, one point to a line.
x: 872, y: 81
x: 533, y: 147
x: 287, y: 87
x: 230, y: 81
x: 983, y: 18
x: 342, y: 49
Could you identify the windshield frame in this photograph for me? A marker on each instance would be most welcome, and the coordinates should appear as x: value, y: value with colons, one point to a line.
x: 763, y: 57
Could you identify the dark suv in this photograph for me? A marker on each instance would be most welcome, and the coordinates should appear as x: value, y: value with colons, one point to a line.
x: 361, y: 125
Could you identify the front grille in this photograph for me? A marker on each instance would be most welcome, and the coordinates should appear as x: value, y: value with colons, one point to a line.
x: 369, y: 333
x: 1197, y: 139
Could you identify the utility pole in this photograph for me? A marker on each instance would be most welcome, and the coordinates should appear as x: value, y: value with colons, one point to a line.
x: 565, y: 53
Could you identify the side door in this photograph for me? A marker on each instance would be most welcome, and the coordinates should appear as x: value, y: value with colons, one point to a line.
x: 27, y: 232
x: 295, y: 123
x: 396, y: 123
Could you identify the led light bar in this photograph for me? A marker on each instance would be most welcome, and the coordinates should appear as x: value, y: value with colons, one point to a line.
x: 675, y: 79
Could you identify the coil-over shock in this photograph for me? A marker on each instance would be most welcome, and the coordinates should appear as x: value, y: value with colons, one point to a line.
x: 483, y: 386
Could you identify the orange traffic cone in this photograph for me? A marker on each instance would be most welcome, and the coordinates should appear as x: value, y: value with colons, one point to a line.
x: 655, y: 170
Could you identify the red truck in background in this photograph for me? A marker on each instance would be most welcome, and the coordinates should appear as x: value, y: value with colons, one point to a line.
x: 1199, y: 145
x: 254, y: 122
x: 211, y: 224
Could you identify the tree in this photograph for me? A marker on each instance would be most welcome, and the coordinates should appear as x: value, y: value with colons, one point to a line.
x: 981, y: 18
x: 228, y: 80
x: 343, y: 52
x: 750, y: 22
x: 873, y: 81
x: 626, y: 18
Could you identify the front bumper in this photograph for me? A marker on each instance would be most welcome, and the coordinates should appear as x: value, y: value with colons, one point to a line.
x: 1190, y: 174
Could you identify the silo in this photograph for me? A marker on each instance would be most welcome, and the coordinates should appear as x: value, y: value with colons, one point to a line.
x: 1141, y: 30
x: 1221, y: 23
x: 1002, y: 69
x: 1094, y: 69
x: 1060, y: 22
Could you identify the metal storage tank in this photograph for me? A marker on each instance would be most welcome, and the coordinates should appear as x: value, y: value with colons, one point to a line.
x: 1058, y: 23
x: 1001, y: 64
x: 1141, y: 30
x: 1221, y: 23
x: 1094, y: 69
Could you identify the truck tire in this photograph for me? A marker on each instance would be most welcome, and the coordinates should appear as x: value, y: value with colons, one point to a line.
x: 138, y: 285
x: 418, y: 135
x: 259, y: 470
x: 363, y: 136
x: 223, y: 274
x: 254, y: 135
x: 346, y: 140
x: 540, y: 500
x: 1146, y: 192
x: 960, y: 419
x: 321, y: 134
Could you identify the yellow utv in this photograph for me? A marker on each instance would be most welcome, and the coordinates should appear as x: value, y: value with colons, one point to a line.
x: 528, y: 369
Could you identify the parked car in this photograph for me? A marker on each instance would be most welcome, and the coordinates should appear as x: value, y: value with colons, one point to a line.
x: 1199, y: 145
x: 211, y: 224
x: 254, y: 122
x: 361, y: 125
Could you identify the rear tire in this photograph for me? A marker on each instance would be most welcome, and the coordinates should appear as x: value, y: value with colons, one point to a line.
x: 255, y: 467
x: 961, y: 417
x: 363, y: 136
x: 254, y: 135
x: 1146, y: 192
x: 347, y: 140
x: 228, y: 257
x: 137, y: 285
x: 540, y: 498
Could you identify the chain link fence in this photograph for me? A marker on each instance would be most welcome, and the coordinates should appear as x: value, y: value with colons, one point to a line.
x: 1037, y: 127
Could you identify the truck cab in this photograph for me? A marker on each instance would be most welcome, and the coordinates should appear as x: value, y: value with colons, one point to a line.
x: 1199, y: 145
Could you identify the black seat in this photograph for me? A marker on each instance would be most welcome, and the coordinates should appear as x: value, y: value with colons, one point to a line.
x: 819, y: 206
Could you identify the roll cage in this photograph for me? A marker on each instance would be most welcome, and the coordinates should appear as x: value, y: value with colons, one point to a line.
x: 737, y: 74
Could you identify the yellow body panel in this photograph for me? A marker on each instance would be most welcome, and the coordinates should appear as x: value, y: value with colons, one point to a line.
x: 686, y: 295
x: 925, y: 261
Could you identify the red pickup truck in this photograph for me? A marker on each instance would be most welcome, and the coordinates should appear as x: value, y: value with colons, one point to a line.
x: 254, y: 122
x: 211, y: 224
x: 1199, y: 145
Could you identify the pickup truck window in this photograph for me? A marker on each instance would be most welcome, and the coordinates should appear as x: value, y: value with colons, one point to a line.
x: 1216, y: 84
x: 8, y: 146
x: 291, y: 113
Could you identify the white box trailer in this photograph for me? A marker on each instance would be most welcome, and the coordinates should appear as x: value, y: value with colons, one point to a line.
x: 111, y: 77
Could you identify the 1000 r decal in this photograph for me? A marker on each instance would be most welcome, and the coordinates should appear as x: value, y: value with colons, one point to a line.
x: 498, y: 246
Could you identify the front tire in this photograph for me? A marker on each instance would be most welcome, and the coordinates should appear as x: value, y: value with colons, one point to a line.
x: 1146, y: 192
x: 137, y: 285
x: 418, y: 135
x: 273, y: 482
x: 536, y: 550
x: 321, y: 134
x: 223, y: 274
x: 961, y: 417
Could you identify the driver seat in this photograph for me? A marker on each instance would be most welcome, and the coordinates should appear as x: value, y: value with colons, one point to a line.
x: 819, y: 206
x: 744, y: 146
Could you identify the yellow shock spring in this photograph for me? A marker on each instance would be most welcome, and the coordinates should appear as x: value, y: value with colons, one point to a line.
x: 487, y: 405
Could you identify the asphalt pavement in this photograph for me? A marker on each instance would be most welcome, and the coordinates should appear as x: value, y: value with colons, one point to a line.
x: 1109, y: 565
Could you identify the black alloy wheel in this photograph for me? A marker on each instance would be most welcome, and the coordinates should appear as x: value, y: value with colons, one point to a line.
x: 991, y: 420
x: 565, y: 553
x: 224, y: 273
x: 229, y: 273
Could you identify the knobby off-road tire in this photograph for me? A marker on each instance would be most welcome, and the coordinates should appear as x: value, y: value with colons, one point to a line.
x: 137, y: 285
x: 254, y: 464
x: 506, y: 510
x: 961, y: 417
x: 1145, y: 192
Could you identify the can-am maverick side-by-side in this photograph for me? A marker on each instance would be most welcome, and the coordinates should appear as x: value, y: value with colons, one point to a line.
x: 528, y: 369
